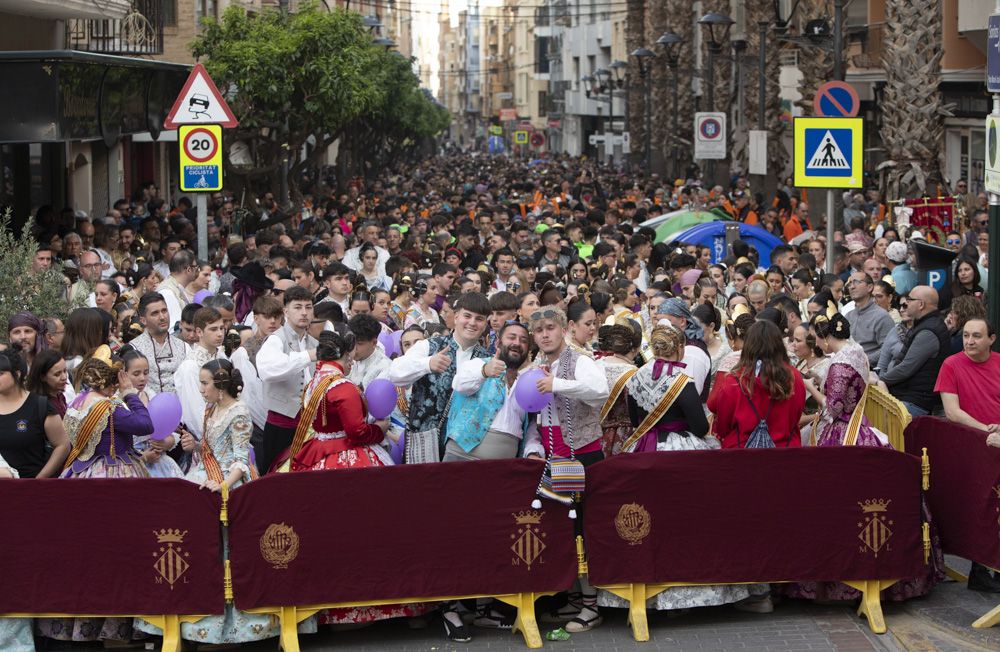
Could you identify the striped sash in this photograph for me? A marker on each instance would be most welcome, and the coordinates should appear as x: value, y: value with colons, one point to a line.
x: 658, y: 411
x: 98, y: 412
x: 616, y: 391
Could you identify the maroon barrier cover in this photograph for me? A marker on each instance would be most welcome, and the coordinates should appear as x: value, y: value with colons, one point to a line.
x: 89, y: 546
x: 754, y: 515
x: 353, y: 535
x: 964, y: 495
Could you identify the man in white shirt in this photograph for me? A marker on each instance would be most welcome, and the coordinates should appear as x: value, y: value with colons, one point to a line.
x: 490, y: 383
x: 370, y: 361
x: 174, y: 288
x: 164, y: 352
x: 211, y: 331
x: 368, y: 232
x: 285, y: 364
x: 268, y: 315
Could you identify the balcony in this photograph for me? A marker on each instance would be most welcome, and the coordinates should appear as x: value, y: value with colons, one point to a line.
x: 865, y: 46
x: 140, y: 32
x: 62, y: 9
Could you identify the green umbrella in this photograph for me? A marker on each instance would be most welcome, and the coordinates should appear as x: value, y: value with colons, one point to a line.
x: 684, y: 220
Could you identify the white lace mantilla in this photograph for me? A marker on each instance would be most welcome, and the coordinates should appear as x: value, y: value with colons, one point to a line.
x: 646, y: 391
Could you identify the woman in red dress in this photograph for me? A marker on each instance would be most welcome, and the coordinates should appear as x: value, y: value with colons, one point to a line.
x: 762, y: 386
x: 333, y: 434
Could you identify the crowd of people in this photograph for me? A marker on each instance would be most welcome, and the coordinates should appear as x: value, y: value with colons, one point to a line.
x: 453, y: 279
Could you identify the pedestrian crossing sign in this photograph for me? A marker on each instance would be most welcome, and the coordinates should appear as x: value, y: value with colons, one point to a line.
x: 828, y: 152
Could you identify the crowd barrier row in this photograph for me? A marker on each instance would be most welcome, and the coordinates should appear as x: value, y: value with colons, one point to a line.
x: 303, y: 542
x: 964, y: 497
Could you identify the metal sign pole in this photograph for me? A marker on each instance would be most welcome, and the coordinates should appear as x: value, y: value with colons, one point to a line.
x: 831, y: 226
x: 201, y: 201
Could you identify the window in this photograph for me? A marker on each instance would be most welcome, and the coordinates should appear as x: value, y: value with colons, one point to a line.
x: 542, y: 54
x: 170, y: 13
x: 205, y: 9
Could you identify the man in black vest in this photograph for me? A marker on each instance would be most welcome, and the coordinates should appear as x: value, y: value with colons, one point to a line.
x: 913, y: 371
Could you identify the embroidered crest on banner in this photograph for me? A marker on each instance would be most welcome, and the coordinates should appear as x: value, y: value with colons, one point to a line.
x: 170, y: 560
x: 279, y: 545
x: 875, y: 527
x: 633, y: 523
x: 528, y: 538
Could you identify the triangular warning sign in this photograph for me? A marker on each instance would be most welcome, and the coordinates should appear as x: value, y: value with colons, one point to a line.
x: 828, y: 155
x: 200, y: 102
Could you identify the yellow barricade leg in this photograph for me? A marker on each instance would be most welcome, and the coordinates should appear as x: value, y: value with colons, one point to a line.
x: 871, y: 605
x: 525, y: 621
x: 636, y: 594
x: 989, y: 619
x: 289, y: 629
x: 171, y: 627
x: 955, y: 575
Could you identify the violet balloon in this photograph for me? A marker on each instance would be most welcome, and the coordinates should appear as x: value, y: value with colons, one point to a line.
x: 200, y: 296
x: 398, y: 450
x: 381, y: 396
x: 526, y: 391
x: 165, y: 413
x: 390, y: 346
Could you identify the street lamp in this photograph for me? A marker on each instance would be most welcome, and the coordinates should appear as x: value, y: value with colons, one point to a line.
x: 387, y: 43
x: 644, y: 59
x: 671, y: 44
x: 716, y: 30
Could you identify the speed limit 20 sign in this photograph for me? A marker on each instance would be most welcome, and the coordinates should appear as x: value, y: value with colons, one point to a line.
x: 201, y: 157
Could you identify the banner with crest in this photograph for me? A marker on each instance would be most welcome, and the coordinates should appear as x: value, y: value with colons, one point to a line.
x: 415, y: 531
x: 110, y: 547
x: 731, y: 516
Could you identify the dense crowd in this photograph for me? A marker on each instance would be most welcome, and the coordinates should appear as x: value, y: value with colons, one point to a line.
x: 518, y: 309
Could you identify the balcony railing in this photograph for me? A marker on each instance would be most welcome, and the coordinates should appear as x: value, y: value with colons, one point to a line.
x: 138, y: 33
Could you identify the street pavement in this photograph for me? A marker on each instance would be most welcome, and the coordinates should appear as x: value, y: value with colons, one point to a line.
x: 939, y: 623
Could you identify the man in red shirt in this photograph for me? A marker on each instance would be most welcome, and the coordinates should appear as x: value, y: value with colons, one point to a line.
x: 969, y: 382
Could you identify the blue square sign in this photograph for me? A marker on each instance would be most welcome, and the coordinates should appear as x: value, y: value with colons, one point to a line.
x: 828, y: 152
x: 201, y: 177
x: 993, y: 55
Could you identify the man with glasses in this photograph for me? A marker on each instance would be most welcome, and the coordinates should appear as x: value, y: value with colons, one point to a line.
x: 953, y: 241
x: 913, y: 371
x: 870, y: 323
x: 978, y: 223
x: 90, y: 274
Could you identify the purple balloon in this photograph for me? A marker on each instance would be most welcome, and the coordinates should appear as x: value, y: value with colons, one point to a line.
x: 390, y: 342
x: 397, y: 337
x: 200, y: 296
x: 165, y: 413
x: 398, y: 450
x: 526, y: 392
x: 381, y: 396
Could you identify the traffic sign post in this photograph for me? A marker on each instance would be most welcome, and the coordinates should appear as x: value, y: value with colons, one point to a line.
x: 520, y: 137
x: 199, y: 113
x: 710, y: 135
x: 828, y: 152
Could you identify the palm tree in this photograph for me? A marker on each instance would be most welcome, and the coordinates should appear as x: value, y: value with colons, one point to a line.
x: 913, y: 109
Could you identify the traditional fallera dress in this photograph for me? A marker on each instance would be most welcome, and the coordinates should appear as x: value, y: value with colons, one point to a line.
x: 616, y: 425
x: 819, y: 370
x: 15, y: 633
x: 101, y: 433
x: 846, y: 378
x: 333, y: 434
x: 656, y: 389
x: 844, y: 388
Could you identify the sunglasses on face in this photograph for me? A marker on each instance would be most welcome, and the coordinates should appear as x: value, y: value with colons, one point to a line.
x: 953, y: 242
x: 543, y: 314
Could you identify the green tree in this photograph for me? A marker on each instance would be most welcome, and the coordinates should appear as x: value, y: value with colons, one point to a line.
x: 312, y: 72
x: 42, y: 294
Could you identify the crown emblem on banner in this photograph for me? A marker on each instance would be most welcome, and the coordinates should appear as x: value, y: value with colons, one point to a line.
x: 874, y: 505
x: 279, y: 545
x: 170, y: 561
x: 633, y: 523
x: 168, y: 535
x: 528, y: 539
x: 525, y: 517
x: 875, y: 527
